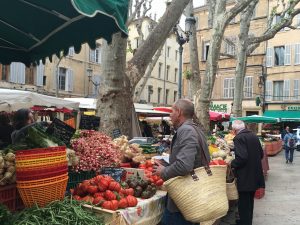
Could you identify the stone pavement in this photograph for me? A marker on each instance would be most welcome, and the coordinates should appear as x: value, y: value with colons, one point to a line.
x: 281, y: 203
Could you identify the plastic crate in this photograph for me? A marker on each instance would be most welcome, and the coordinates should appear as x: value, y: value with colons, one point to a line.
x: 50, y: 174
x: 42, y: 192
x: 8, y: 196
x: 77, y: 177
x: 38, y: 151
x: 40, y: 161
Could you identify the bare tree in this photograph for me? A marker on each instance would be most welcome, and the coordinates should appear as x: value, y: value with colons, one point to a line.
x: 248, y: 43
x: 115, y: 102
x: 219, y: 18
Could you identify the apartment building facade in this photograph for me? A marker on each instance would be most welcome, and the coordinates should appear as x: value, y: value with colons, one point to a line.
x: 161, y: 87
x: 223, y: 91
x: 282, y: 95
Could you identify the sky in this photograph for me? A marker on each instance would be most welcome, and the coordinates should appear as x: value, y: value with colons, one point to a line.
x: 159, y: 7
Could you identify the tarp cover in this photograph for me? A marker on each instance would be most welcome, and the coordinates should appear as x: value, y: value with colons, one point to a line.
x: 12, y: 100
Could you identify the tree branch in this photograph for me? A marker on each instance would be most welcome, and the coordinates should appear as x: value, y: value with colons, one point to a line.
x: 139, y: 62
x: 138, y: 5
x: 227, y: 55
x: 286, y: 20
x: 241, y: 5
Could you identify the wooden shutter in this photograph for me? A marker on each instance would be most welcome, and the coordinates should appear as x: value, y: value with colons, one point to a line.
x: 270, y: 53
x: 296, y: 89
x: 40, y: 74
x: 286, y: 90
x: 297, y: 54
x: 69, y: 80
x: 17, y: 73
x: 287, y: 55
x: 226, y: 88
x: 269, y: 89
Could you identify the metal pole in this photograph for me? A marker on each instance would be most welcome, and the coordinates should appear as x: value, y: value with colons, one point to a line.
x: 180, y: 72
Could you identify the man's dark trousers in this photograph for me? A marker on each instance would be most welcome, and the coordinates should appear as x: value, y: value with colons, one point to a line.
x: 245, y: 205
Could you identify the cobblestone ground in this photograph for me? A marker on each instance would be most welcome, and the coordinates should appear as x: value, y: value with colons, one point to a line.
x: 281, y: 203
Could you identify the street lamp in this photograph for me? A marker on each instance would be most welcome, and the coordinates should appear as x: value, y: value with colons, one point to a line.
x: 189, y: 22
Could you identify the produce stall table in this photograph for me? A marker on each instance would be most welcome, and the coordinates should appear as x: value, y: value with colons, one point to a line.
x: 147, y: 212
x: 273, y: 147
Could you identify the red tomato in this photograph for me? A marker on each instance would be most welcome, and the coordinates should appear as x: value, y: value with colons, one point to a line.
x: 115, y: 204
x: 103, y: 185
x: 98, y: 200
x: 107, y: 205
x: 123, y: 203
x: 149, y: 163
x: 109, y: 195
x: 114, y: 186
x: 132, y: 201
x: 159, y: 182
x: 151, y: 180
x: 77, y: 197
x: 155, y: 178
x: 92, y: 189
x: 88, y: 199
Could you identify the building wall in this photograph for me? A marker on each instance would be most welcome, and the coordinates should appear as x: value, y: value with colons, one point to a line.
x: 159, y: 80
x: 227, y: 65
x: 287, y: 72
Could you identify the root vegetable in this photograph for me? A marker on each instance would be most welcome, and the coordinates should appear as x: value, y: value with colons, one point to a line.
x: 11, y: 169
x: 10, y: 157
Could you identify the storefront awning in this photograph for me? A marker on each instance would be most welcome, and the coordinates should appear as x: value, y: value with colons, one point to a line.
x: 286, y: 116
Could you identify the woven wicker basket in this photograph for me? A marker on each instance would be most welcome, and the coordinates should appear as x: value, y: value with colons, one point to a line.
x: 231, y: 190
x: 200, y: 200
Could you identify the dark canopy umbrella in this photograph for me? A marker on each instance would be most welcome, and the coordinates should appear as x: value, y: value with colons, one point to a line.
x: 31, y: 30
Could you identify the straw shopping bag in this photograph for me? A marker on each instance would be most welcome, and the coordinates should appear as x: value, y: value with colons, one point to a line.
x: 201, y: 195
x: 231, y: 188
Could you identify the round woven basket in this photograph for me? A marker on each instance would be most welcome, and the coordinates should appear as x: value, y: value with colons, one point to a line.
x: 231, y: 190
x: 202, y: 200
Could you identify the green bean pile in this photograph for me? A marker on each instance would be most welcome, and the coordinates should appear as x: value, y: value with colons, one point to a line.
x: 66, y: 212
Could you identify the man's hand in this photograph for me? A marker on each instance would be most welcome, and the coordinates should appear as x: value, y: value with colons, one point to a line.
x: 158, y: 168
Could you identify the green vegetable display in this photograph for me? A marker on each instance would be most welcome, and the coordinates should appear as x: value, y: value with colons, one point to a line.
x: 66, y: 212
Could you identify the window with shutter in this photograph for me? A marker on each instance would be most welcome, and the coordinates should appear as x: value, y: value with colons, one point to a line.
x: 228, y: 88
x: 231, y: 90
x: 248, y: 87
x: 297, y: 54
x: 40, y: 74
x: 98, y: 54
x: 269, y: 57
x: 62, y: 79
x: 225, y: 88
x: 71, y: 80
x: 287, y: 55
x: 286, y: 90
x: 92, y: 55
x: 296, y: 89
x: 71, y: 51
x: 279, y: 55
x: 269, y: 88
x: 17, y: 73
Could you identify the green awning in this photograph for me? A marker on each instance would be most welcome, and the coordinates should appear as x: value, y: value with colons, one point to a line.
x: 256, y: 119
x: 292, y: 116
x: 31, y: 30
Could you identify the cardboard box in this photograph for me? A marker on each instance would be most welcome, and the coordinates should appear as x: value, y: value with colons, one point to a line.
x: 134, y: 172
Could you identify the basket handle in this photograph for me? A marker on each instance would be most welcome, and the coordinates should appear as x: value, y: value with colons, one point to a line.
x: 206, y: 167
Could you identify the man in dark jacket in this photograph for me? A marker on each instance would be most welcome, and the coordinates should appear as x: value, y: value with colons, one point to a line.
x: 248, y: 168
x: 187, y: 145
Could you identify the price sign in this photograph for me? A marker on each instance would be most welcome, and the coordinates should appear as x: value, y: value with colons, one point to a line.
x: 116, y: 133
x: 116, y: 173
x: 61, y: 131
x: 89, y: 122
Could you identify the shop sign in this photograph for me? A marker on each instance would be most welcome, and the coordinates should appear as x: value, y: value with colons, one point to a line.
x: 218, y: 107
x: 293, y: 108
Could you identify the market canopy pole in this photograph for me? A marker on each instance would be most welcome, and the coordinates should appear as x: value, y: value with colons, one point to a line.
x: 44, y: 28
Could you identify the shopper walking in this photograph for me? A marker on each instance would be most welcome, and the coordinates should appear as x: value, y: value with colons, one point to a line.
x: 248, y: 169
x: 185, y: 154
x: 5, y: 130
x: 290, y: 141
